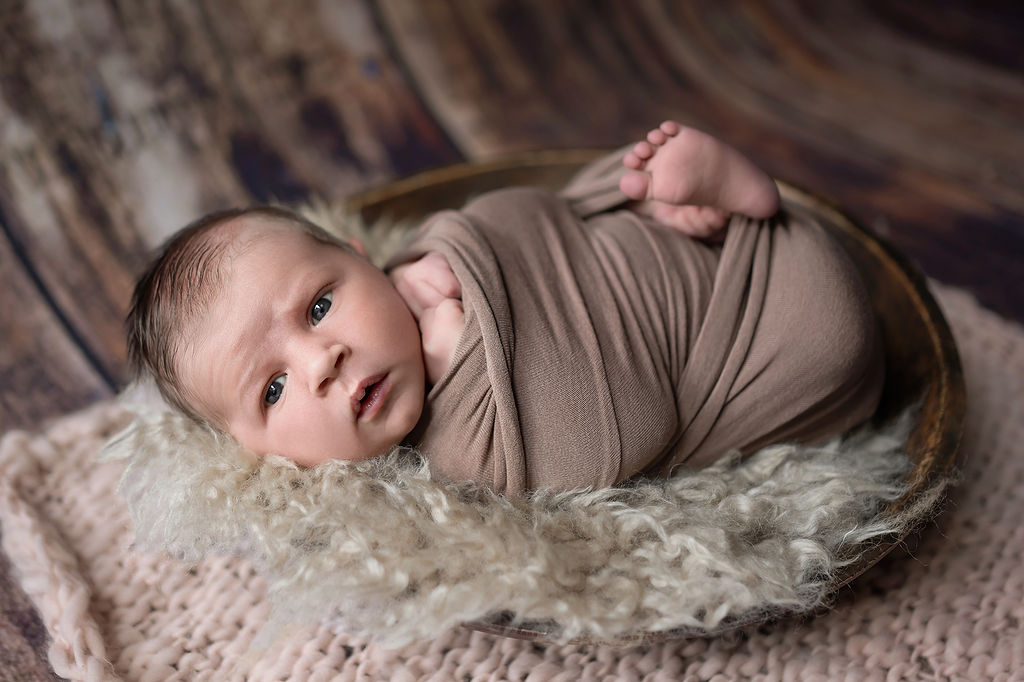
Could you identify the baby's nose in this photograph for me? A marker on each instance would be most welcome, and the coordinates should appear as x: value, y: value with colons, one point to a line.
x: 325, y: 367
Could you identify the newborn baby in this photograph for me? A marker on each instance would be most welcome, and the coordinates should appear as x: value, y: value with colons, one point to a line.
x: 567, y: 340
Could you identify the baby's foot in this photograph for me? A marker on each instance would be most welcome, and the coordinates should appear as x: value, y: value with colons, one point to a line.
x: 693, y: 181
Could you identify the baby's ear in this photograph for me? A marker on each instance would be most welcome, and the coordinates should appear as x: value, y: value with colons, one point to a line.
x: 359, y: 247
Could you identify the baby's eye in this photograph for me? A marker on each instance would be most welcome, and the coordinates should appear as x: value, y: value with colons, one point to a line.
x: 320, y: 308
x: 275, y: 390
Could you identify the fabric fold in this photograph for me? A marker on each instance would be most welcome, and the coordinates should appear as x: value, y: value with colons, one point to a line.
x: 600, y: 345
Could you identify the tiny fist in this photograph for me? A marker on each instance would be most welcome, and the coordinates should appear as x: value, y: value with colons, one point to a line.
x: 439, y: 273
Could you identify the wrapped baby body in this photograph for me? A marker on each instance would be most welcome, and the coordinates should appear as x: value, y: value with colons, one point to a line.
x: 600, y: 345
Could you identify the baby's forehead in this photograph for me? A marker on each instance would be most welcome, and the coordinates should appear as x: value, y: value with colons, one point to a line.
x: 246, y: 235
x: 216, y: 262
x: 246, y: 230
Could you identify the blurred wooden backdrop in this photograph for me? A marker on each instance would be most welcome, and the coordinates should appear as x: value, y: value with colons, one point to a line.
x: 120, y: 120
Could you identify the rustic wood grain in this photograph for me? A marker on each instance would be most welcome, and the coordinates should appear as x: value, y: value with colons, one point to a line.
x: 122, y: 119
x: 918, y: 138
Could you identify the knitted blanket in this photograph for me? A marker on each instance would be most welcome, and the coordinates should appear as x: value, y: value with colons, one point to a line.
x: 950, y: 610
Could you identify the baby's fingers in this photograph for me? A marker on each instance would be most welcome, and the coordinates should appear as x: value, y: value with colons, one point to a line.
x: 425, y: 283
x: 437, y: 273
x: 409, y: 290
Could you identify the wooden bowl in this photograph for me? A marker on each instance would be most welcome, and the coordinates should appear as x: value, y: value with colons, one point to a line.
x: 922, y: 364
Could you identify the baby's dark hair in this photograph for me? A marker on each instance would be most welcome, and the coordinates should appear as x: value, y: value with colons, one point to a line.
x: 179, y: 284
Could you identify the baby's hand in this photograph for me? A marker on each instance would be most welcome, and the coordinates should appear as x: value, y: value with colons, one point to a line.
x: 434, y: 296
x: 425, y: 283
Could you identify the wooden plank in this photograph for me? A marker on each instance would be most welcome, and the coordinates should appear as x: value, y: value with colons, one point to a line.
x: 43, y: 370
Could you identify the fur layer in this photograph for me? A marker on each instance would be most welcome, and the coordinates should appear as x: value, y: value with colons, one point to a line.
x: 380, y: 549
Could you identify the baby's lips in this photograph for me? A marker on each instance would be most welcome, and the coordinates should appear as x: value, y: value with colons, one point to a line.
x: 359, y: 393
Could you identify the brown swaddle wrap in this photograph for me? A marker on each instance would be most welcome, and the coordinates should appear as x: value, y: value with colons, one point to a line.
x: 599, y: 345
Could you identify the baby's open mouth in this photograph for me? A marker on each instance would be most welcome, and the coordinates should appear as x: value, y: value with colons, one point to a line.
x: 369, y: 396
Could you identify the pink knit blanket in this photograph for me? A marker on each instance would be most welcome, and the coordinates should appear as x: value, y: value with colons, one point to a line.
x: 952, y: 608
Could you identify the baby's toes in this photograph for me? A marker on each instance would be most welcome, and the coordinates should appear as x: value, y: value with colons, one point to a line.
x: 643, y: 149
x: 714, y: 219
x: 703, y: 221
x: 631, y: 160
x: 700, y: 222
x: 635, y: 185
x: 657, y: 136
x: 670, y: 128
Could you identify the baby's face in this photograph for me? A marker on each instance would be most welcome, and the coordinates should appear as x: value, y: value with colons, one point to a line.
x: 307, y: 351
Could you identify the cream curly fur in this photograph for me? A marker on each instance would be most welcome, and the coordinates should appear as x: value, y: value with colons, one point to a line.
x: 384, y: 551
x: 380, y: 549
